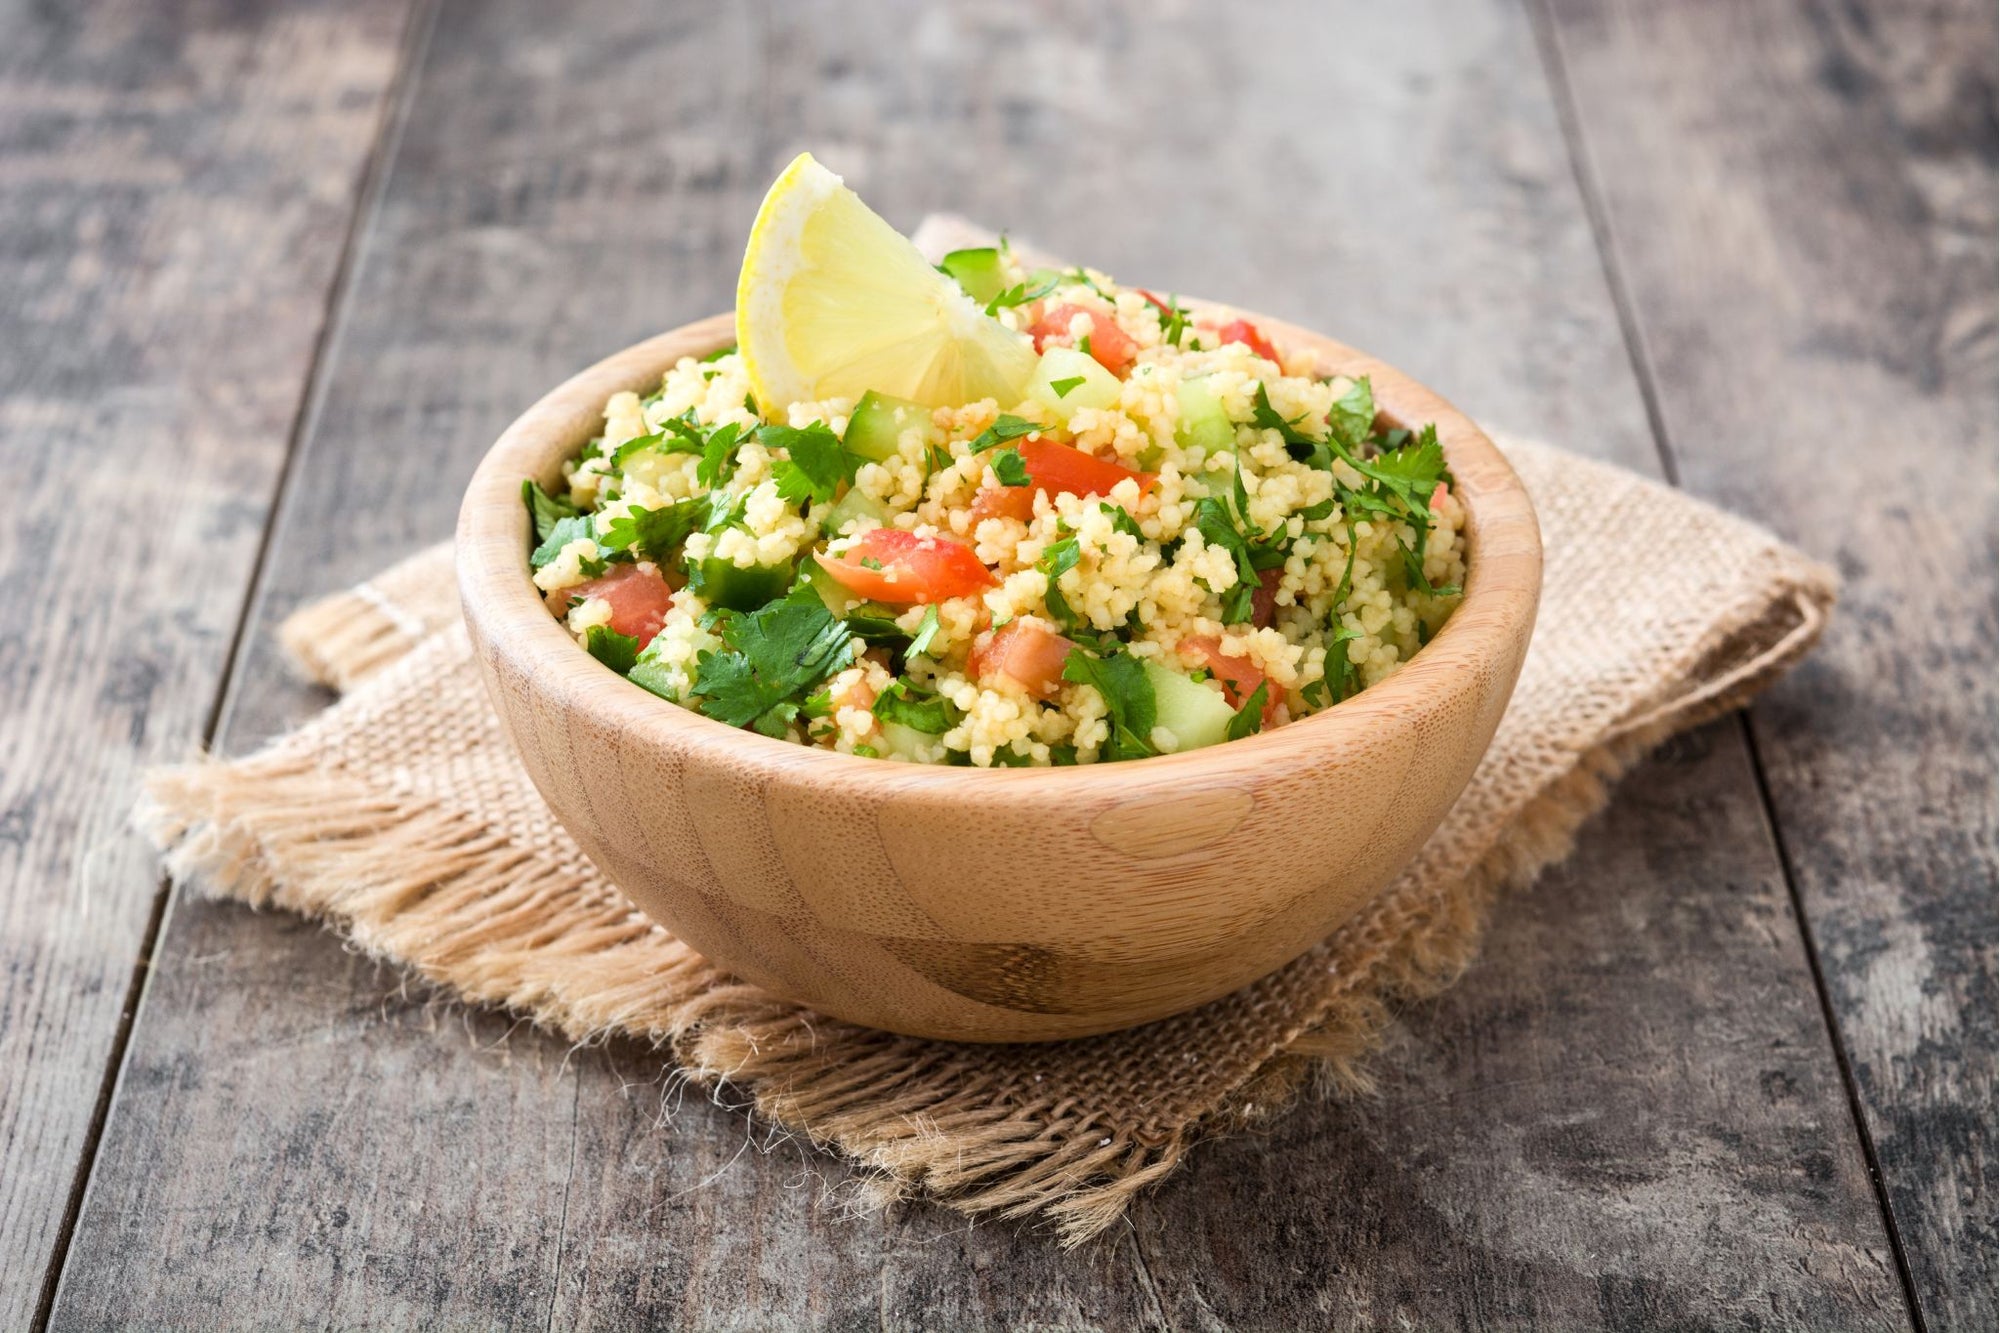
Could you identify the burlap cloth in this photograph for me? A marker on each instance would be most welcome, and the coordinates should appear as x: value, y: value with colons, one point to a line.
x: 401, y: 818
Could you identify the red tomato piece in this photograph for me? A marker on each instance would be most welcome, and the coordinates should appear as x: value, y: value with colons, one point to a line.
x: 1110, y: 345
x: 1022, y: 649
x: 1057, y: 467
x: 1243, y: 331
x: 1264, y: 601
x: 903, y: 569
x: 1003, y: 502
x: 639, y: 599
x: 1239, y: 676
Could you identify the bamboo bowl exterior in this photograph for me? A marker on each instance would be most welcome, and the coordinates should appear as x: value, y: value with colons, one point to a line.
x: 1008, y: 904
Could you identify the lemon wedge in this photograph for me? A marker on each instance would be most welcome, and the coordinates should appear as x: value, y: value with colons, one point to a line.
x: 833, y: 302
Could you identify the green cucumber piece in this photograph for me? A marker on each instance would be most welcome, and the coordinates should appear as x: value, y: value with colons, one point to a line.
x: 878, y: 422
x: 908, y: 743
x: 722, y: 582
x: 839, y: 601
x: 1097, y: 388
x: 1203, y: 424
x: 1196, y: 713
x: 980, y: 272
x: 855, y: 504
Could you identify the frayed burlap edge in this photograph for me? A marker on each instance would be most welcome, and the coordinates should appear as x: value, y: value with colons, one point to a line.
x: 412, y: 883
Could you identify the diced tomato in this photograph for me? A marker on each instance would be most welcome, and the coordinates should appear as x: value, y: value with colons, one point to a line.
x: 1057, y: 467
x: 903, y: 569
x: 1264, y: 601
x: 639, y: 599
x: 1243, y: 331
x: 1003, y: 502
x: 1110, y: 345
x: 1239, y: 676
x: 1024, y: 650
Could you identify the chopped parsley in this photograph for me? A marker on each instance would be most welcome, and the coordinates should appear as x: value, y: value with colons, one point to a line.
x: 904, y: 704
x: 655, y: 532
x: 1121, y: 521
x: 1006, y: 428
x: 1020, y: 294
x: 618, y: 651
x: 1062, y: 386
x: 1249, y: 719
x: 1009, y: 469
x: 573, y: 528
x: 1128, y: 698
x: 769, y: 659
x: 719, y: 353
x: 546, y: 510
x: 927, y: 632
x: 816, y: 464
x: 1173, y: 321
x: 1058, y: 558
x: 1212, y: 520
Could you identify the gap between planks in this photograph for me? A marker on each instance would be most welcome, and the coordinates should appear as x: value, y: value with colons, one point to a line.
x: 390, y: 121
x: 1549, y: 43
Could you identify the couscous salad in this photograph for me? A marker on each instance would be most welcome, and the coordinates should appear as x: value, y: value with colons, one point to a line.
x: 982, y: 514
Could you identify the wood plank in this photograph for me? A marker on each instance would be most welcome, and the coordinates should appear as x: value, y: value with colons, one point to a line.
x: 1802, y: 200
x: 175, y: 187
x: 296, y: 1138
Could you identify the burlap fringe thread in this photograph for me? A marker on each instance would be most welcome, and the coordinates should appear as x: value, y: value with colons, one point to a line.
x: 414, y: 883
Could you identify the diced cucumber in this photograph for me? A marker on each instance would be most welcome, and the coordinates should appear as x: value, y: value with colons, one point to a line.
x: 901, y: 742
x: 839, y: 601
x: 1196, y: 713
x: 722, y: 582
x: 979, y: 271
x: 1095, y: 386
x: 878, y: 422
x: 1203, y: 423
x: 855, y: 504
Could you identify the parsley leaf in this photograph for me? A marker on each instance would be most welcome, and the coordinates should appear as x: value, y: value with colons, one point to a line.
x: 1128, y: 697
x: 1121, y: 521
x: 1352, y: 417
x: 718, y: 450
x: 719, y: 353
x: 657, y: 532
x: 562, y: 534
x: 770, y: 657
x: 815, y: 463
x: 901, y: 703
x: 1338, y: 681
x: 1249, y: 719
x: 546, y: 510
x: 1302, y: 447
x: 1006, y: 428
x: 1009, y: 469
x: 1173, y: 320
x: 927, y: 631
x: 1065, y: 384
x: 1058, y: 558
x: 1217, y: 528
x: 1020, y: 294
x: 615, y: 650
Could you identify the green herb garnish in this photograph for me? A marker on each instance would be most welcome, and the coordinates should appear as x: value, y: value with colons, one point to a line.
x: 618, y: 651
x: 1065, y: 384
x: 1004, y: 429
x: 770, y: 658
x: 1009, y: 469
x: 1128, y: 698
x: 1249, y: 719
x: 816, y: 464
x: 546, y: 510
x: 904, y: 704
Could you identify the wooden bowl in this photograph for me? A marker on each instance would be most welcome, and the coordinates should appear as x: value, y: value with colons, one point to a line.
x: 1004, y: 904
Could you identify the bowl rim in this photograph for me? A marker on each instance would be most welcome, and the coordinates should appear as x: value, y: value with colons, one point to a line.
x: 502, y: 607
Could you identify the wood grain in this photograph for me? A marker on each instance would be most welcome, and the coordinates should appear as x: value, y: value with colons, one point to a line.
x: 747, y: 847
x: 302, y: 1144
x: 175, y: 186
x: 1807, y: 232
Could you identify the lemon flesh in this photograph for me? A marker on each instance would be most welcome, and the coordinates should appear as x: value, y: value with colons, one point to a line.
x: 833, y: 302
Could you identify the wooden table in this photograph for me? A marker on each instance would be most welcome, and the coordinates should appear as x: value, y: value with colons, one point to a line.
x: 273, y: 275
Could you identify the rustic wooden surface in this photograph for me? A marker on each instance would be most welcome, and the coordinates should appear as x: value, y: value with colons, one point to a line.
x: 1731, y: 1066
